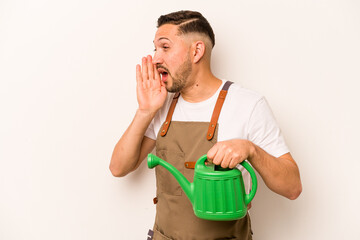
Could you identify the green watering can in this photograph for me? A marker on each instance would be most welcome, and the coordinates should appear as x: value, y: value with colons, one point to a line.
x: 216, y: 193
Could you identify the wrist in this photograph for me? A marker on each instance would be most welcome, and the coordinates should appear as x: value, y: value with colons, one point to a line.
x: 252, y: 151
x: 145, y: 113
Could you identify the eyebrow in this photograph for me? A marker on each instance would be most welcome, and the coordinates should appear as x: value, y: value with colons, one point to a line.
x: 162, y: 39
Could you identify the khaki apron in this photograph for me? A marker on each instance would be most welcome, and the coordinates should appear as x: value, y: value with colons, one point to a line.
x: 181, y: 144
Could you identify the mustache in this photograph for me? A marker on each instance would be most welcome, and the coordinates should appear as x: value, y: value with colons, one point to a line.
x: 161, y: 66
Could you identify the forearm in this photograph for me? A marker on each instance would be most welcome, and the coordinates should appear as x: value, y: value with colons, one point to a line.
x: 280, y: 174
x: 126, y: 153
x: 133, y: 146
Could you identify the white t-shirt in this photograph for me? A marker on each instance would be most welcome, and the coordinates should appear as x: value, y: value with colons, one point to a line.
x: 244, y: 115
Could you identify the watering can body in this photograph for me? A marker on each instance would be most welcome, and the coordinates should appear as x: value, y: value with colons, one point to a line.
x: 216, y: 193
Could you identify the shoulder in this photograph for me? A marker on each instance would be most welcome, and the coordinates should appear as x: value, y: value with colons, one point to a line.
x: 240, y: 95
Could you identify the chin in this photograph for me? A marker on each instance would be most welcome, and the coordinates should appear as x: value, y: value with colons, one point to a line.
x: 168, y: 87
x: 170, y: 90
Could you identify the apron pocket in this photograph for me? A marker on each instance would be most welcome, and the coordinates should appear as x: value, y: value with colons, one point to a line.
x: 165, y: 181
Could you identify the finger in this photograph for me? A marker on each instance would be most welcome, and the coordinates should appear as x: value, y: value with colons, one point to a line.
x: 219, y: 156
x: 157, y: 78
x: 150, y: 68
x: 145, y: 75
x: 237, y: 158
x: 234, y: 162
x: 138, y: 75
x: 149, y: 81
x: 162, y: 84
x: 212, y: 152
x: 163, y: 87
x: 227, y: 158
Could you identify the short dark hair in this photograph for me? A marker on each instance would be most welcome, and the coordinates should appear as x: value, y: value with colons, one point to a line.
x: 189, y: 21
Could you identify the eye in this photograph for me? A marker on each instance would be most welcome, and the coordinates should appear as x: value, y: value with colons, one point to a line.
x: 164, y: 47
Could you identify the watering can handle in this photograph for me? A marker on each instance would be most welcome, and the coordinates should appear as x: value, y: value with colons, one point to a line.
x: 201, y: 161
x: 250, y: 196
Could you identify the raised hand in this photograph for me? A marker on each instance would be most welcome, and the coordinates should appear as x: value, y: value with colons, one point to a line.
x: 150, y: 90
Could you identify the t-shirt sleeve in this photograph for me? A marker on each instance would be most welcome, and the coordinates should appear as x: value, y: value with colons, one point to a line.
x: 264, y: 131
x: 150, y: 132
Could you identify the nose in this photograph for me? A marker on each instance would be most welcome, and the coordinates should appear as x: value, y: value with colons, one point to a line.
x: 157, y: 59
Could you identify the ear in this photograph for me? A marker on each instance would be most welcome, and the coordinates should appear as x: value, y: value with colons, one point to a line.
x: 198, y: 51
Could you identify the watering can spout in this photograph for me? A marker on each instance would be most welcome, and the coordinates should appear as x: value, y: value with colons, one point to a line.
x: 188, y: 187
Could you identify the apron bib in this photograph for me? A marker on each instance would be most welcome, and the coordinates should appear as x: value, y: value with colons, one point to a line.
x: 181, y: 144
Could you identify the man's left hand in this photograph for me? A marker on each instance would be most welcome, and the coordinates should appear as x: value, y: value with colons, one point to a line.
x: 229, y: 153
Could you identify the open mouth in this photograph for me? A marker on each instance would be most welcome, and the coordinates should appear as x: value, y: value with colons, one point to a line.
x: 163, y: 73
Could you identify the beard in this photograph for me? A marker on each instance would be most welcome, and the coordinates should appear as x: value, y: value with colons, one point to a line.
x: 179, y: 80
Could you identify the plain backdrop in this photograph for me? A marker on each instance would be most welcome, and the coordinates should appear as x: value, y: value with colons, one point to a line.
x: 67, y: 94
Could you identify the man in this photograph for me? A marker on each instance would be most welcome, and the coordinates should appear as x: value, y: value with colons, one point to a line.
x: 191, y: 120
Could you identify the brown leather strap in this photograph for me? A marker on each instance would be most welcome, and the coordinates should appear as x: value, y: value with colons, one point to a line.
x: 190, y: 165
x: 169, y: 115
x: 214, y: 118
x: 217, y: 110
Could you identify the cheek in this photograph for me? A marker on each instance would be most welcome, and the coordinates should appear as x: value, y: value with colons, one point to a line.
x: 176, y: 60
x: 171, y: 62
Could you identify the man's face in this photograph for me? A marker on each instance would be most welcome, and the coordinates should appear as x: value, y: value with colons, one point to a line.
x: 172, y: 57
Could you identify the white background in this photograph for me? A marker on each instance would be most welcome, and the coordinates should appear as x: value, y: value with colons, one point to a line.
x: 67, y: 93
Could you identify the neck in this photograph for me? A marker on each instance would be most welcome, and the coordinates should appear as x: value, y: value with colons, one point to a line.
x: 201, y: 85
